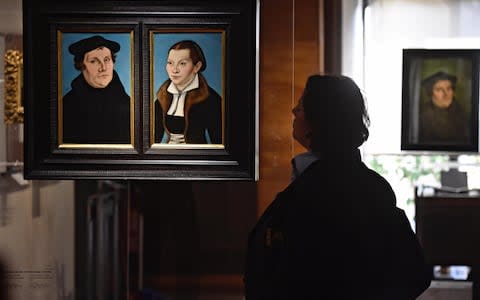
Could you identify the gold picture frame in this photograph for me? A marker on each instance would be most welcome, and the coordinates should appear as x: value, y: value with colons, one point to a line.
x: 13, y: 87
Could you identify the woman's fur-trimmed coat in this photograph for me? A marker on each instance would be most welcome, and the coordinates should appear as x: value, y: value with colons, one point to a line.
x: 203, y: 113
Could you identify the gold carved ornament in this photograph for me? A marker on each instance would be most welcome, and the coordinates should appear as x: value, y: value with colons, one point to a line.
x: 13, y: 86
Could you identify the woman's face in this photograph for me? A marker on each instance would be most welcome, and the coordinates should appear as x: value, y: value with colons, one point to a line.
x: 301, y: 129
x: 98, y: 71
x: 442, y: 93
x: 180, y: 68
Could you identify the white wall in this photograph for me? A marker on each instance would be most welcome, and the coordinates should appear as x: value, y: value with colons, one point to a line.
x: 37, y: 239
x: 352, y: 40
x: 36, y: 217
x: 11, y: 16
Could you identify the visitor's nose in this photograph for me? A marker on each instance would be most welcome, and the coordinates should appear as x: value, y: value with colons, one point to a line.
x: 295, y: 110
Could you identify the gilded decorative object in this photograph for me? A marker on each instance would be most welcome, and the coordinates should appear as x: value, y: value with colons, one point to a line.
x: 13, y: 86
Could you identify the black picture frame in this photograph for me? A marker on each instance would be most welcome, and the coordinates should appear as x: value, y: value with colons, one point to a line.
x: 53, y: 26
x: 440, y: 100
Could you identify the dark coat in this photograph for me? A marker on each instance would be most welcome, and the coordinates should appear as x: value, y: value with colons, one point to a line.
x: 443, y: 125
x: 203, y: 112
x: 335, y: 233
x: 96, y: 115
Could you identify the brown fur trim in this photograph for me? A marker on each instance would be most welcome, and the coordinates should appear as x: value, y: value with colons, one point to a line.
x: 193, y: 97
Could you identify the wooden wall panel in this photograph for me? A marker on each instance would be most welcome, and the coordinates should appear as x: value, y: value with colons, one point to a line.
x: 289, y: 52
x: 307, y: 55
x: 276, y: 93
x: 332, y: 31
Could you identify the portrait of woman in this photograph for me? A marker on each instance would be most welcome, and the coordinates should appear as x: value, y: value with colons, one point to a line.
x: 188, y: 104
x: 95, y: 101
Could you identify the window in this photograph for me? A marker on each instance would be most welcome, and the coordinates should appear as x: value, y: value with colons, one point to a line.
x: 375, y: 32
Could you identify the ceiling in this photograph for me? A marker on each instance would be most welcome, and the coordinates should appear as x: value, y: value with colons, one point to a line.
x: 10, y: 16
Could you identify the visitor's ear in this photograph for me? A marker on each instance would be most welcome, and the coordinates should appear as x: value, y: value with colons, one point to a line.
x: 308, y: 136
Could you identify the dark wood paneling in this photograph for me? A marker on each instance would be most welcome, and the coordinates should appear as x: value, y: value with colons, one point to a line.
x: 194, y: 228
x: 289, y: 52
x: 276, y: 93
x: 307, y: 48
x: 332, y: 24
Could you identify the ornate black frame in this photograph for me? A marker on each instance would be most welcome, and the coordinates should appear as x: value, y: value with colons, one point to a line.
x: 236, y: 160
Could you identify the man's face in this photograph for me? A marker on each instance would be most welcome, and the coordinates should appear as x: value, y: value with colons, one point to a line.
x: 180, y: 68
x: 442, y: 93
x: 98, y: 70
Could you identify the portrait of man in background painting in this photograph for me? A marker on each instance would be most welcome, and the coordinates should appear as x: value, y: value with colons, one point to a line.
x: 442, y: 117
x: 439, y: 100
x: 96, y: 106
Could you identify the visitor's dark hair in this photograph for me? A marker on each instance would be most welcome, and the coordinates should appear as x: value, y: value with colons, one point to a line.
x: 335, y: 109
x: 196, y: 53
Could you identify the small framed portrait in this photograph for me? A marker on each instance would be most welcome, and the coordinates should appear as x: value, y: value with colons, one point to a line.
x: 440, y: 100
x: 164, y: 90
x: 95, y: 89
x: 187, y: 87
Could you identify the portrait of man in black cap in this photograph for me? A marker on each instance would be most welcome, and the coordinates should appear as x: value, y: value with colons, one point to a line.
x: 96, y: 110
x: 442, y: 119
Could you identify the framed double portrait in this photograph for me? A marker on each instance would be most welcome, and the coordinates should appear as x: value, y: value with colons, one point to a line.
x: 141, y: 90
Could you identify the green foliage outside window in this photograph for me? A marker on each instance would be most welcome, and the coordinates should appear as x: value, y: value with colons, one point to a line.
x: 408, y: 171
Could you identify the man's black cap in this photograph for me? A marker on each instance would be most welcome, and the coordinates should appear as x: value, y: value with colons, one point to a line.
x: 440, y: 75
x: 79, y: 48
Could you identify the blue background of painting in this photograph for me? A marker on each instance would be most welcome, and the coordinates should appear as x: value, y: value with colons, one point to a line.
x: 122, y: 63
x: 211, y: 44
